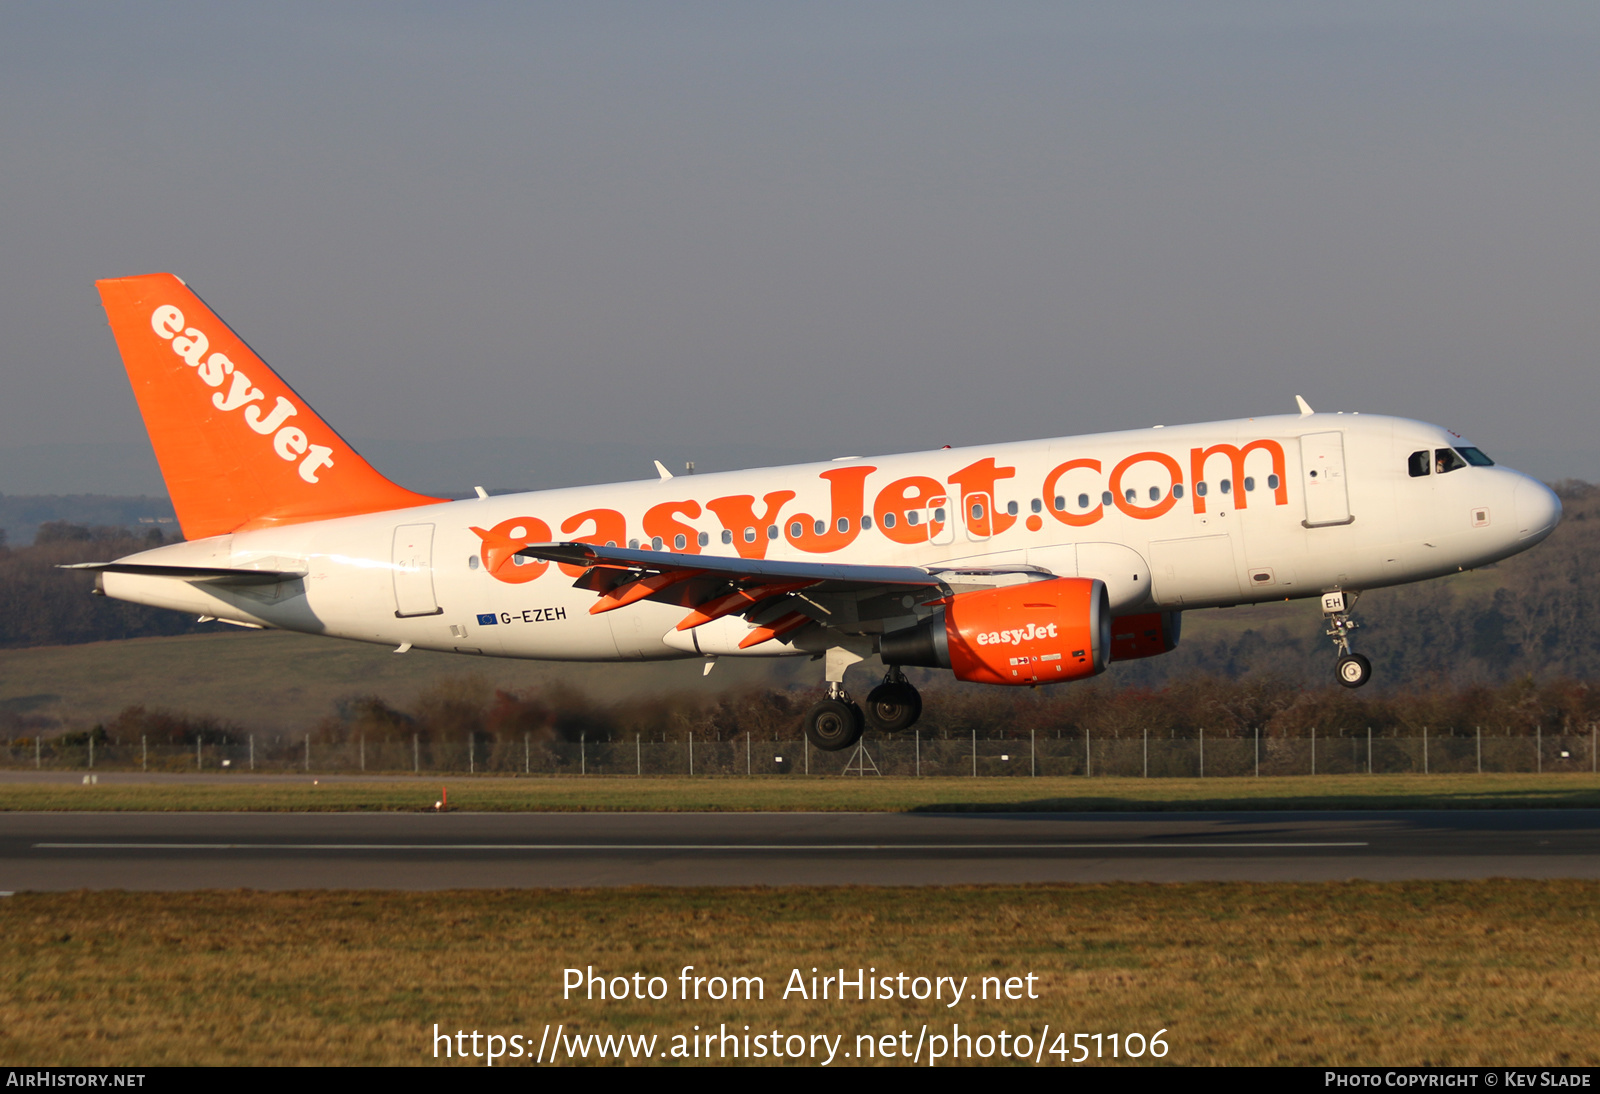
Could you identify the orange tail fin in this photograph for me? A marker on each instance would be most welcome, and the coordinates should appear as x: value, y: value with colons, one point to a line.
x: 237, y: 447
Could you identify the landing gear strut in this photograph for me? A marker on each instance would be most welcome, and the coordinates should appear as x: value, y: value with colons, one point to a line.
x: 837, y: 721
x: 893, y: 705
x: 1353, y: 670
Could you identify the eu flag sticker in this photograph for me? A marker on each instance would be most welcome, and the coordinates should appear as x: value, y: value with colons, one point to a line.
x: 488, y: 620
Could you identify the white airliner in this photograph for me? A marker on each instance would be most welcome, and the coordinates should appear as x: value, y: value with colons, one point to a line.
x: 1023, y: 563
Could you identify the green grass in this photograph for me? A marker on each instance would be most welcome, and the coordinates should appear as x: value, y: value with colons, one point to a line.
x: 1424, y: 973
x: 798, y: 793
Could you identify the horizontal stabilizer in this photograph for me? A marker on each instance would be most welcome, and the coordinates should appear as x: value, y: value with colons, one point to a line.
x: 209, y: 575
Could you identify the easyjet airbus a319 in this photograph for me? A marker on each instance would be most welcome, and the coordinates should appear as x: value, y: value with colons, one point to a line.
x: 1036, y: 562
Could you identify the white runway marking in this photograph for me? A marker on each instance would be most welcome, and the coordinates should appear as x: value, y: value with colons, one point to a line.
x: 685, y: 846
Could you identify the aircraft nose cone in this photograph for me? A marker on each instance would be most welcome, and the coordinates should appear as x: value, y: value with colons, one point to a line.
x: 1538, y: 509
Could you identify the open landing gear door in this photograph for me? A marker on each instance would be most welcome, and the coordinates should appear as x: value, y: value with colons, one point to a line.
x: 1322, y: 475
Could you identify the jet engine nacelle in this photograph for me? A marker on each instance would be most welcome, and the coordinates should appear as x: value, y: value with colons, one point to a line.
x: 1042, y: 632
x: 1144, y: 635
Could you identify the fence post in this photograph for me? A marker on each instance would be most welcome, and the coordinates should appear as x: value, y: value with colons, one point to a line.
x: 472, y: 753
x: 1313, y: 750
x: 805, y: 743
x: 1369, y: 751
x: 638, y: 756
x: 1033, y: 764
x: 1087, y: 770
x: 919, y: 753
x: 1258, y: 752
x: 1202, y: 752
x: 1592, y: 768
x: 1480, y: 748
x: 527, y: 755
x: 691, y: 752
x: 416, y: 755
x: 361, y: 742
x: 252, y: 752
x: 91, y: 750
x: 199, y: 761
x: 144, y: 753
x: 974, y: 754
x: 747, y: 769
x: 308, y: 753
x: 1538, y: 748
x: 38, y: 752
x: 583, y: 754
x: 1424, y: 750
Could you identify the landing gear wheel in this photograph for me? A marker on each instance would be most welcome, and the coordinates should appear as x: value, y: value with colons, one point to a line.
x: 834, y: 724
x: 1354, y: 670
x: 893, y: 706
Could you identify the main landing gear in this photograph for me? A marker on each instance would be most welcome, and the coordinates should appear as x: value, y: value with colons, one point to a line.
x: 893, y: 705
x: 1353, y: 670
x: 837, y: 722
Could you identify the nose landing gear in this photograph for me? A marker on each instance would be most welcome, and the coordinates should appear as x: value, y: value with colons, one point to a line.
x: 1352, y: 670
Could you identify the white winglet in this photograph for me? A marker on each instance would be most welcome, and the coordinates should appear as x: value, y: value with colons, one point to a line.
x: 1305, y: 407
x: 661, y: 469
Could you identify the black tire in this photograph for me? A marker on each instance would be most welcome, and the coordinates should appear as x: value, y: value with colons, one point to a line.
x: 893, y: 707
x: 833, y: 724
x: 1353, y: 670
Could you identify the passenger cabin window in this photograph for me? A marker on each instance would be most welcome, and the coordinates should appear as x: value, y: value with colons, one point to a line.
x: 1200, y: 488
x: 1476, y: 457
x: 1249, y: 483
x: 1446, y: 460
x: 1177, y: 489
x: 1037, y: 505
x: 1417, y: 464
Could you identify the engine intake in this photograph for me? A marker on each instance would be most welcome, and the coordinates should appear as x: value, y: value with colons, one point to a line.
x: 1039, y: 633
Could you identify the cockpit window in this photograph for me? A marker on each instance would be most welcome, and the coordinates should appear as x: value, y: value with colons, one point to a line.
x: 1418, y: 464
x: 1446, y: 460
x: 1476, y: 457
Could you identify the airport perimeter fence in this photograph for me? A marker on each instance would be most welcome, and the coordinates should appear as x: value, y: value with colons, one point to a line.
x: 910, y: 754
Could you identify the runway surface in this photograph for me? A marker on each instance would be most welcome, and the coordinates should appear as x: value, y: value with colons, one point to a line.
x: 176, y: 851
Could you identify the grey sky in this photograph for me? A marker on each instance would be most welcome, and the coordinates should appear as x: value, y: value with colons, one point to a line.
x: 815, y: 228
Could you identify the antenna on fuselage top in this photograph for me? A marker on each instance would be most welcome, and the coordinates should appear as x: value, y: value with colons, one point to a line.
x: 1305, y: 407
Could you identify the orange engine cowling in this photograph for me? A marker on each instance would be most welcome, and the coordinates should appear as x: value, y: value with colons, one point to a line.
x: 1038, y: 633
x: 1144, y: 635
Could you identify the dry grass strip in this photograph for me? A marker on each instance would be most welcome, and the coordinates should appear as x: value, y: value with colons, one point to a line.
x: 1487, y: 972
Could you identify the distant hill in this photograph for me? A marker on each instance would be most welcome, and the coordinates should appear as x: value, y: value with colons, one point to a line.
x: 21, y: 516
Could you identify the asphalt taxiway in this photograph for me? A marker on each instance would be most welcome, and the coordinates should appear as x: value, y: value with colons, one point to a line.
x: 180, y: 851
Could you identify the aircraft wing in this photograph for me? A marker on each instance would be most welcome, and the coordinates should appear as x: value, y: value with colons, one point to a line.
x: 585, y: 554
x: 775, y: 597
